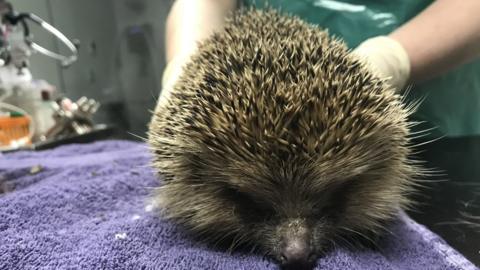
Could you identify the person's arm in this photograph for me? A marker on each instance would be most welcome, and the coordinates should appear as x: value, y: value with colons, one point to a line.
x: 188, y: 22
x: 442, y: 37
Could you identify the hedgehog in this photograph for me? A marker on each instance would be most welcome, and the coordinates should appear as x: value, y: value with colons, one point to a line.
x: 276, y: 136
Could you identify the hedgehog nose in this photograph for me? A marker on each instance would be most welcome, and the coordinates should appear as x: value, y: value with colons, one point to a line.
x: 296, y: 254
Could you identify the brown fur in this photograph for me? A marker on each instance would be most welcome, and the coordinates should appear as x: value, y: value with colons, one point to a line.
x: 275, y: 127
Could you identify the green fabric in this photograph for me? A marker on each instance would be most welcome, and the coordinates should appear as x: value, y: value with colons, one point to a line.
x: 451, y: 102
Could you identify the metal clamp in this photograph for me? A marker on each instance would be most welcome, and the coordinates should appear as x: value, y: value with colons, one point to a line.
x: 65, y: 60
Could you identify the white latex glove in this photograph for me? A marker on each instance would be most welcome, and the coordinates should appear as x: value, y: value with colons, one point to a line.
x: 387, y: 58
x: 172, y: 71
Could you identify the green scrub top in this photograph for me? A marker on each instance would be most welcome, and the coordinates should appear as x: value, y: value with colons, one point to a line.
x: 451, y: 103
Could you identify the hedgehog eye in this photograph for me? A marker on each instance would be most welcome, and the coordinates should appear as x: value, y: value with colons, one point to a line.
x: 246, y: 205
x: 335, y: 202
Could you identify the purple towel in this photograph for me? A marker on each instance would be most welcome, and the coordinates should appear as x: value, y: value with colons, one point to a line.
x: 86, y: 207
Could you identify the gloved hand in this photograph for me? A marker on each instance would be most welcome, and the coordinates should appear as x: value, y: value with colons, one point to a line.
x: 387, y: 58
x: 171, y: 73
x: 188, y: 22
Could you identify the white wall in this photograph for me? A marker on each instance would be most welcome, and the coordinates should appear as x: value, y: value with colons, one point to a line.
x: 140, y: 72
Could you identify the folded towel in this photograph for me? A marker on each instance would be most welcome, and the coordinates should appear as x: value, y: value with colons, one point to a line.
x: 85, y: 207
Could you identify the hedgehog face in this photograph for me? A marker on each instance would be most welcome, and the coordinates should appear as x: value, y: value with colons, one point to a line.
x: 294, y: 236
x: 286, y: 222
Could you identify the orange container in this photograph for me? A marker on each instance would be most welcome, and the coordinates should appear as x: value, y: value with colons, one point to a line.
x: 13, y: 128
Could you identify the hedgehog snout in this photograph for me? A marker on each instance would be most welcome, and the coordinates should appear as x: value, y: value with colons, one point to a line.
x: 296, y: 253
x: 295, y: 248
